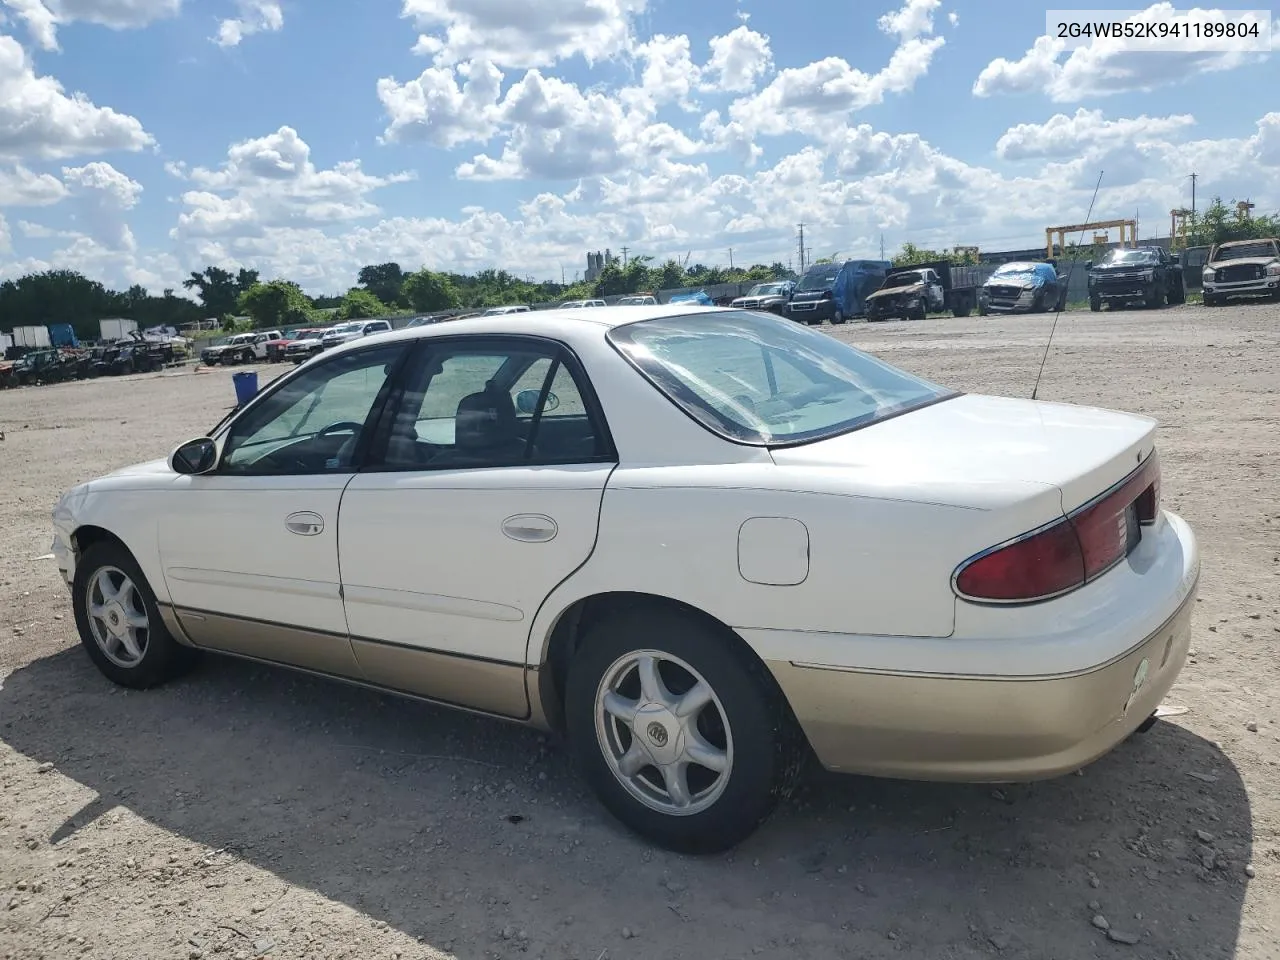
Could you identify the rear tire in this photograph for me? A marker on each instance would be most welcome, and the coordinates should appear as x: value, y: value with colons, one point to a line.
x: 838, y: 317
x: 741, y: 723
x: 1095, y: 304
x: 119, y: 622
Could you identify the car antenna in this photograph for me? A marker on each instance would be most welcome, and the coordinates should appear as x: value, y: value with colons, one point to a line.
x: 1057, y: 313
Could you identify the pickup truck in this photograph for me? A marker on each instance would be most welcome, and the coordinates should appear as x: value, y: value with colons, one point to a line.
x: 1146, y: 274
x: 914, y: 291
x: 1023, y: 286
x: 241, y: 348
x: 1242, y: 268
x: 771, y: 297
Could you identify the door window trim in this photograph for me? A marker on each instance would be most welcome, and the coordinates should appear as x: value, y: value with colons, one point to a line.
x: 367, y: 433
x: 557, y: 351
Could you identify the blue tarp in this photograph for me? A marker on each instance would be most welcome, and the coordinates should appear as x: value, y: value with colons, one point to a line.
x: 698, y: 298
x: 1038, y: 274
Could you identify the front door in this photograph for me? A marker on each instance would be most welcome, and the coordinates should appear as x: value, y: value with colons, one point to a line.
x: 250, y: 551
x: 485, y: 496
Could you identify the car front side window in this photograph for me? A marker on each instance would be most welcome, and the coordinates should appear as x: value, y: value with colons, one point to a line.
x: 314, y: 422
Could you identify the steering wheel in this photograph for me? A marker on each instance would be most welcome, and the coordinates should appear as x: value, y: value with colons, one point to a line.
x: 340, y: 426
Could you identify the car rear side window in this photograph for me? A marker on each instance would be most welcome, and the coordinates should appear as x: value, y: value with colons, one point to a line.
x: 475, y: 406
x: 763, y: 381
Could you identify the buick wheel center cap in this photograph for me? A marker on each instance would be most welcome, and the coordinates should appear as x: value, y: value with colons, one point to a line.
x: 658, y: 732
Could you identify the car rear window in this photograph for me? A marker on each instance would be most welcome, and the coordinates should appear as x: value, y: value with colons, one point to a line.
x: 764, y: 381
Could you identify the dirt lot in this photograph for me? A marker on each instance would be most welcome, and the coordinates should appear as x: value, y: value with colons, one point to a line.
x: 248, y: 811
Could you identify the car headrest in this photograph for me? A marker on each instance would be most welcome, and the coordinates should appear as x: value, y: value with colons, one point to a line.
x: 485, y: 419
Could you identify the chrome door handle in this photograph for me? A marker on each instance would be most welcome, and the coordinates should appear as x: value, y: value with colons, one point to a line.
x: 530, y: 528
x: 304, y: 523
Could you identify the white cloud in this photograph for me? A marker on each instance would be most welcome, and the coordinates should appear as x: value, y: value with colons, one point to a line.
x: 435, y: 109
x: 807, y: 99
x: 1067, y: 136
x: 102, y: 195
x: 1102, y: 67
x: 6, y: 238
x: 43, y: 17
x: 19, y: 187
x: 738, y: 60
x: 522, y: 34
x: 913, y: 19
x: 272, y: 181
x: 256, y: 16
x: 38, y: 119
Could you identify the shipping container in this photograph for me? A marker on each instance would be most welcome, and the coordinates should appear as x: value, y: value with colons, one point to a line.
x: 32, y: 337
x: 116, y: 328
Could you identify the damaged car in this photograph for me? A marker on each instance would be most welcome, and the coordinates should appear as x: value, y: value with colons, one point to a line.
x: 1023, y: 287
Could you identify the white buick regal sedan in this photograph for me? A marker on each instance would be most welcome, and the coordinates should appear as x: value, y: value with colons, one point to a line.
x: 705, y: 544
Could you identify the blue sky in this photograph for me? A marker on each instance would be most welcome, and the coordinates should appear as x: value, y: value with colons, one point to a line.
x: 306, y: 139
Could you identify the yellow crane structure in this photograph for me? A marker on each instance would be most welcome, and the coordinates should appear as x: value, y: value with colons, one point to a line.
x: 1179, y: 223
x: 1128, y: 233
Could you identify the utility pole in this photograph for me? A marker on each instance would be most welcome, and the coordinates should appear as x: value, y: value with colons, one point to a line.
x: 801, y: 248
x: 882, y: 246
x: 1194, y: 176
x: 624, y: 257
x: 731, y: 258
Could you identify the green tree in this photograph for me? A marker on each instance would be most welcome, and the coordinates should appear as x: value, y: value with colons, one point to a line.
x: 384, y: 280
x: 220, y: 289
x: 1221, y: 223
x: 276, y: 304
x: 669, y: 276
x: 359, y: 304
x: 427, y: 291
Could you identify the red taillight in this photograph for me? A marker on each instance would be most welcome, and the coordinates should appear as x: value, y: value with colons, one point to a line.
x: 1067, y: 554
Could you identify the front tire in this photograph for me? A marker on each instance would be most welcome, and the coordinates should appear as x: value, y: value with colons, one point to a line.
x: 681, y: 733
x: 1095, y: 304
x: 119, y: 622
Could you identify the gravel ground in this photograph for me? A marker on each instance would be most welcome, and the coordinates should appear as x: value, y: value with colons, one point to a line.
x: 247, y: 811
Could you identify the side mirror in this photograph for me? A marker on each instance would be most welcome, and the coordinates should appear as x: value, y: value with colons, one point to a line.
x: 1176, y: 258
x: 527, y: 401
x: 1088, y: 264
x: 194, y: 457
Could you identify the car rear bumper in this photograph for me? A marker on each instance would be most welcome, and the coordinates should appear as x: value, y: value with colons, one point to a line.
x: 995, y: 728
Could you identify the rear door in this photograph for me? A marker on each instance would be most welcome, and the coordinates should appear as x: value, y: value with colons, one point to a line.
x: 485, y: 496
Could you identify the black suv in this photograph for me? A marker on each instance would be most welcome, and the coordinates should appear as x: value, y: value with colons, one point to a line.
x: 1149, y: 274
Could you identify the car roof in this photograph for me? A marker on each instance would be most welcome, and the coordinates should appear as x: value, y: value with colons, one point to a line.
x: 555, y: 323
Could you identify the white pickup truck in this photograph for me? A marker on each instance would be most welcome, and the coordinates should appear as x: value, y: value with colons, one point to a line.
x: 241, y: 348
x: 1242, y: 268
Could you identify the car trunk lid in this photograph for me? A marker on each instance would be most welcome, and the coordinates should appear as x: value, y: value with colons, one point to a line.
x: 971, y: 439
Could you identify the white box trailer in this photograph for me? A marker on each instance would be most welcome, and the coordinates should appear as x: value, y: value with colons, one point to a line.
x: 115, y: 328
x: 33, y: 337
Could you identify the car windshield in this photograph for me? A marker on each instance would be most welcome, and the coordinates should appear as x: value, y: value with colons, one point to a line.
x: 764, y: 381
x: 1015, y: 270
x: 1118, y: 257
x: 346, y: 328
x: 910, y: 278
x: 819, y: 279
x: 764, y: 289
x: 1246, y: 251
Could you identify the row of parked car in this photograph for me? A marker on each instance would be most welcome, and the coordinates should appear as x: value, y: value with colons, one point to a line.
x: 1148, y: 275
x: 296, y: 345
x: 60, y: 364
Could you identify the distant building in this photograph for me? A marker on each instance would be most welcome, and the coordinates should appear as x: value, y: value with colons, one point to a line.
x: 596, y: 262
